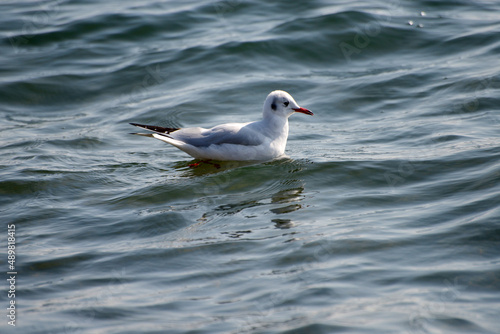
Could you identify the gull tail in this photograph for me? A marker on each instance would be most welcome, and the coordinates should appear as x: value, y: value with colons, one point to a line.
x: 142, y: 134
x: 153, y: 128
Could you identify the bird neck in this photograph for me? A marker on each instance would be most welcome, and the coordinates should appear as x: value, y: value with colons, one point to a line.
x: 276, y: 126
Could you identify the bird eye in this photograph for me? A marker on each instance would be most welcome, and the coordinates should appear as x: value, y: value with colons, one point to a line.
x: 286, y: 103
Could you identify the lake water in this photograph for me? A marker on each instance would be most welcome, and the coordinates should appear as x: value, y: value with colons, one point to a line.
x: 383, y: 218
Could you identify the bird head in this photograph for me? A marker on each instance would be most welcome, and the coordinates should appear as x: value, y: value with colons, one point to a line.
x: 280, y: 103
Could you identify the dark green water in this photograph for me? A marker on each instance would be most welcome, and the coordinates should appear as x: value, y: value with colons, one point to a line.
x: 384, y: 217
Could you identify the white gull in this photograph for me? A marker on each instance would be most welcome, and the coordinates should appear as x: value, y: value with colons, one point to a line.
x: 255, y: 141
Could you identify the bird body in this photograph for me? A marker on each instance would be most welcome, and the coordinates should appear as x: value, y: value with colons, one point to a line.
x: 260, y: 140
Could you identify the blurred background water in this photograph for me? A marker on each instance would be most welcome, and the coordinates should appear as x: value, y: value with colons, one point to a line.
x: 383, y: 217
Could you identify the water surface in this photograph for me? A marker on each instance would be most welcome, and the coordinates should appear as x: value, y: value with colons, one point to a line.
x: 382, y: 218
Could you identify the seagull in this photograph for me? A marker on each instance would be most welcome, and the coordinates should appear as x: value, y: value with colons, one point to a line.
x: 261, y: 140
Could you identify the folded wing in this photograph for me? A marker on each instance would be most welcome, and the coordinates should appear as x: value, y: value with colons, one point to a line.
x: 232, y: 133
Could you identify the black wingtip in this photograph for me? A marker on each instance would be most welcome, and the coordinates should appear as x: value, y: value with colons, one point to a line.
x: 154, y: 128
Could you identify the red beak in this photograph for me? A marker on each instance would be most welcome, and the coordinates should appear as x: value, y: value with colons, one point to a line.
x: 304, y: 111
